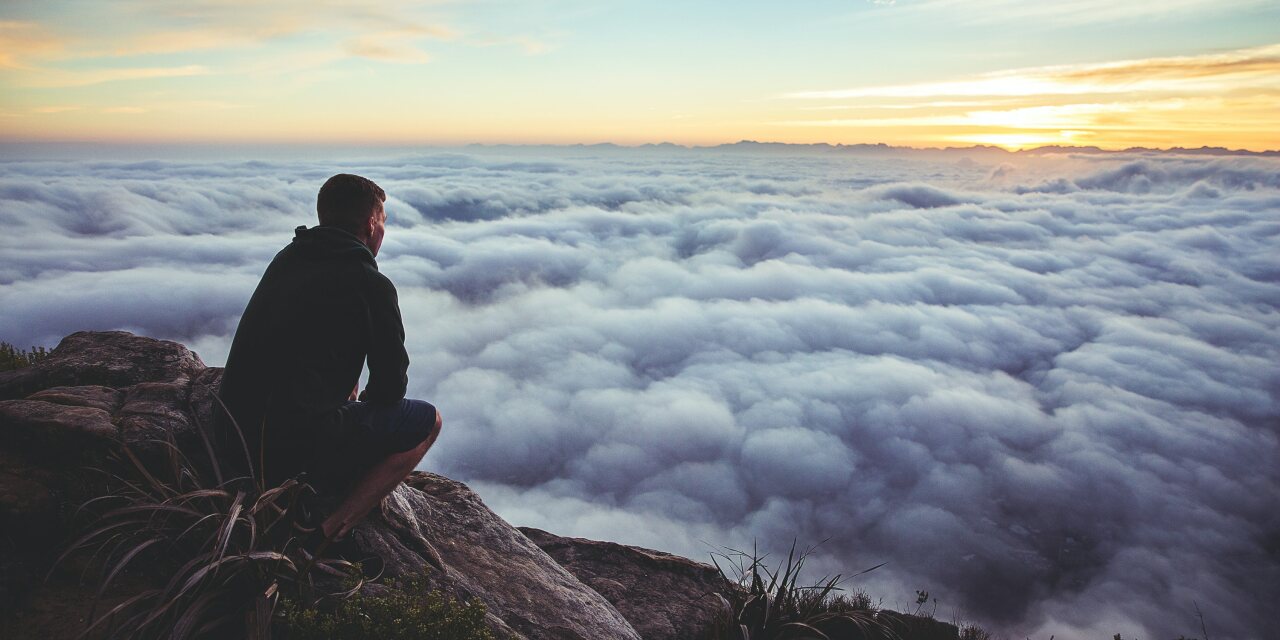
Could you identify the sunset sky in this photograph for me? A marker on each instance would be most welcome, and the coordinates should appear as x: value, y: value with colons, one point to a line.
x: 920, y: 73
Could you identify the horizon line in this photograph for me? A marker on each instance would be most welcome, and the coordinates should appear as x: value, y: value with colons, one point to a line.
x: 666, y: 145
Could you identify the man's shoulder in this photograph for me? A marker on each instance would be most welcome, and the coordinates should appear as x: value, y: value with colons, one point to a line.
x: 378, y: 281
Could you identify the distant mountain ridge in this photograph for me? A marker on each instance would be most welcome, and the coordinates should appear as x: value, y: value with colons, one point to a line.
x: 879, y: 148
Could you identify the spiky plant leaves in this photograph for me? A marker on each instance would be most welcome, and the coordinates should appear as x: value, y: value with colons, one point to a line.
x: 269, y: 497
x: 213, y: 565
x: 227, y: 537
x: 244, y: 446
x: 121, y: 564
x: 755, y: 614
x: 193, y: 615
x: 799, y: 631
x: 85, y: 540
x: 229, y: 521
x: 123, y: 606
x: 160, y: 487
x: 854, y: 624
x: 771, y: 604
x: 215, y: 462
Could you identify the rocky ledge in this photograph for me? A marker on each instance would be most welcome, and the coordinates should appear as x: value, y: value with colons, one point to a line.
x: 68, y: 412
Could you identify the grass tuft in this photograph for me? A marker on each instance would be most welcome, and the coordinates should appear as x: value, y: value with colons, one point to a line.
x: 770, y: 604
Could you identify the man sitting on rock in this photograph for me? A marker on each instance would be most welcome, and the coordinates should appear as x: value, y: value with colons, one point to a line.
x: 320, y: 310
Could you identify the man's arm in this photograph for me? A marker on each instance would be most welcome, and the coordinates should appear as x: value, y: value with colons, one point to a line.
x: 388, y: 360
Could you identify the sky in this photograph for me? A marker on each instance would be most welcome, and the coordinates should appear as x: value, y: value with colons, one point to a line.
x: 1155, y: 73
x: 1044, y: 388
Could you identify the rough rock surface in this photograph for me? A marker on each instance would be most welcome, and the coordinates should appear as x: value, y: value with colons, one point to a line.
x: 98, y: 389
x: 432, y: 520
x: 109, y: 358
x: 664, y: 596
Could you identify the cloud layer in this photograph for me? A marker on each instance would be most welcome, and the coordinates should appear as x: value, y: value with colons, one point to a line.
x: 1045, y: 392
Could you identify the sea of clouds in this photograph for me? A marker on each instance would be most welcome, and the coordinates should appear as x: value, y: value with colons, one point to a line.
x: 1044, y: 389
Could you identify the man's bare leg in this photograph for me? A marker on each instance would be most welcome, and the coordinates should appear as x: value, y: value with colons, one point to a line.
x: 376, y: 483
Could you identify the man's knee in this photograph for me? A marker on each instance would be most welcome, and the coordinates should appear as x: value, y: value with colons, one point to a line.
x: 434, y: 432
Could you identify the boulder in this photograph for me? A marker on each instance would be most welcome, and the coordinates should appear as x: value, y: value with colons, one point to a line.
x: 47, y: 427
x: 434, y: 521
x: 153, y: 410
x: 92, y: 396
x: 664, y: 596
x: 108, y: 358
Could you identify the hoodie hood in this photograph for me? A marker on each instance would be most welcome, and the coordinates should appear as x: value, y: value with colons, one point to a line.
x: 330, y: 242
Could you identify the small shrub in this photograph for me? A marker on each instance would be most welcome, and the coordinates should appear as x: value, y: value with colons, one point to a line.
x: 922, y: 598
x: 410, y: 612
x: 770, y: 605
x: 12, y: 357
x: 227, y: 547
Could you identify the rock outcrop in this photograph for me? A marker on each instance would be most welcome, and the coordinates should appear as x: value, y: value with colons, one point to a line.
x: 96, y: 390
x: 666, y: 597
x: 432, y: 520
x: 115, y: 359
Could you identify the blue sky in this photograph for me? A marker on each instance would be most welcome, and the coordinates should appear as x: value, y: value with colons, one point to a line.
x: 631, y: 72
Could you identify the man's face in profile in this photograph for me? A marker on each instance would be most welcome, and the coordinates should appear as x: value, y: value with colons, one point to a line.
x: 378, y: 229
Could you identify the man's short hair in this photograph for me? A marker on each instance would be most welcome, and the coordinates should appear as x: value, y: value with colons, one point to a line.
x: 346, y: 201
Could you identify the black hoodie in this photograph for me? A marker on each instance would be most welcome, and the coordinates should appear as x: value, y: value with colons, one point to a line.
x: 320, y: 309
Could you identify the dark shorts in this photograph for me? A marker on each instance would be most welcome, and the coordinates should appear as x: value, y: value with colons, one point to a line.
x: 369, y: 433
x: 388, y: 428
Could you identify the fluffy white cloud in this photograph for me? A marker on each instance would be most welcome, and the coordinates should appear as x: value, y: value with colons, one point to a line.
x: 1046, y: 391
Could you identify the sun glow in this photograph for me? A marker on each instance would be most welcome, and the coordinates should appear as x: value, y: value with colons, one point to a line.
x: 1225, y: 99
x: 1016, y: 141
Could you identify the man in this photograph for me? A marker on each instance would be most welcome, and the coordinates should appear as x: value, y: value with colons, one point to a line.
x: 320, y: 310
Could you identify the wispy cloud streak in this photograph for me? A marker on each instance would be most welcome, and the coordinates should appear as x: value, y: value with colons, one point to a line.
x: 1247, y: 68
x: 1069, y: 12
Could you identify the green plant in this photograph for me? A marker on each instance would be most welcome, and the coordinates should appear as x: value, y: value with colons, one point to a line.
x: 410, y: 611
x: 12, y: 357
x: 769, y: 604
x: 228, y: 548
